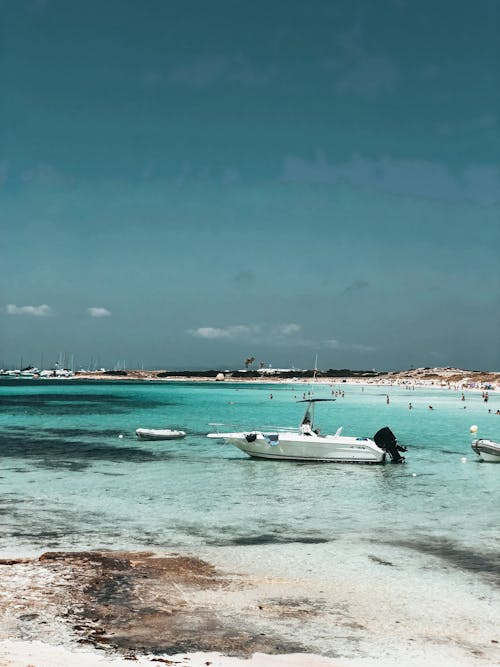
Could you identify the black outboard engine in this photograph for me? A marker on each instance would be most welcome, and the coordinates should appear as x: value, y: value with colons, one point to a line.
x: 386, y: 440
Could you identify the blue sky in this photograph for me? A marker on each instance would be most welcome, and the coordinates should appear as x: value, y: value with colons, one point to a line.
x: 186, y: 184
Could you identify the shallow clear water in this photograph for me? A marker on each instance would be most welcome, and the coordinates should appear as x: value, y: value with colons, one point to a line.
x: 68, y: 481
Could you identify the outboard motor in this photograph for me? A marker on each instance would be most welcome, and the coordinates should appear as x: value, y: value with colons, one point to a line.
x: 386, y: 440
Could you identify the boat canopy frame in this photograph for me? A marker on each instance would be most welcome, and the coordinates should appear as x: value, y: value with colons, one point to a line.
x: 309, y: 413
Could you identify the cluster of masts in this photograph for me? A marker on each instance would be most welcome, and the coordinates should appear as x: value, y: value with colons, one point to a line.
x: 34, y: 372
x: 63, y: 368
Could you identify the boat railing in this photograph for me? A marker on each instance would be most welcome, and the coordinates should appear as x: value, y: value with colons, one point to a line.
x: 245, y: 428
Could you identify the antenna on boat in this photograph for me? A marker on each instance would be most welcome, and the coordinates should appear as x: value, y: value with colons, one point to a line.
x: 315, y: 372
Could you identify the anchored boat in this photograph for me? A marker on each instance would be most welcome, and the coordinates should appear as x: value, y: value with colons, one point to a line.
x: 308, y: 444
x: 487, y: 450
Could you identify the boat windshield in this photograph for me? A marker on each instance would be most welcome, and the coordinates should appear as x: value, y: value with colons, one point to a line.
x: 308, y: 415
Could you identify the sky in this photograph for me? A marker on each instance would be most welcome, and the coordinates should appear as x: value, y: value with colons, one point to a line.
x: 188, y: 184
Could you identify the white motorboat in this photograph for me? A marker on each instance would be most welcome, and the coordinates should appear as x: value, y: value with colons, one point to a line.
x: 308, y: 444
x: 159, y: 434
x: 487, y: 450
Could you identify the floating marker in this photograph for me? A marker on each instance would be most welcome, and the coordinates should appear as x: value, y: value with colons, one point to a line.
x: 473, y: 428
x: 120, y: 436
x: 464, y: 459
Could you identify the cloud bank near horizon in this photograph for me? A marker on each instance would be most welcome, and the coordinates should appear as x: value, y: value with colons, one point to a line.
x: 36, y: 311
x: 97, y: 311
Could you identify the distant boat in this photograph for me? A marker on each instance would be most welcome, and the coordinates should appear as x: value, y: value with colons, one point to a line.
x: 29, y: 372
x: 307, y: 444
x: 487, y: 450
x: 159, y: 434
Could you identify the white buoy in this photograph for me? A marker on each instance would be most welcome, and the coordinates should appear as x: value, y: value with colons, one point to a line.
x: 473, y: 428
x: 414, y: 474
x: 120, y: 436
x: 464, y: 459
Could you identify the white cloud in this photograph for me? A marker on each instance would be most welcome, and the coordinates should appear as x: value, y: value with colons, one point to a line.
x: 285, y: 335
x: 362, y: 348
x: 37, y: 311
x: 230, y: 332
x: 335, y: 344
x: 287, y: 329
x: 254, y: 332
x: 416, y: 178
x: 98, y: 312
x: 358, y: 72
x: 484, y: 122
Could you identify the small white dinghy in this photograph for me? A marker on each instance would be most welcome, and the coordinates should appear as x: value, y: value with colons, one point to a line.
x: 159, y: 434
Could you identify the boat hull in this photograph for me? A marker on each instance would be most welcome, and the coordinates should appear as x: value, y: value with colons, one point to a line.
x: 487, y: 450
x: 294, y: 447
x: 159, y: 434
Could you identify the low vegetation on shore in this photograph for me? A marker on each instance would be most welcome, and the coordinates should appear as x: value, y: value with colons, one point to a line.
x: 438, y: 376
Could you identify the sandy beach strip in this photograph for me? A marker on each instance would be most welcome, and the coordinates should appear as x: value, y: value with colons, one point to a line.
x: 17, y: 653
x: 438, y: 377
x: 120, y: 608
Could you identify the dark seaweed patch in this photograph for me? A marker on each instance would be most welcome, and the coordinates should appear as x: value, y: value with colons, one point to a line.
x: 75, y: 403
x: 457, y: 555
x: 36, y: 535
x: 58, y: 453
x: 70, y: 466
x: 81, y: 432
x: 380, y: 561
x: 268, y: 538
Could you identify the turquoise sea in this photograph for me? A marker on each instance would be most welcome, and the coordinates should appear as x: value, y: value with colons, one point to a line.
x: 74, y: 476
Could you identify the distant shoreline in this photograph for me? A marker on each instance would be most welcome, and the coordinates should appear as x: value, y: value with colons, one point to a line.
x: 448, y: 377
x: 427, y: 377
